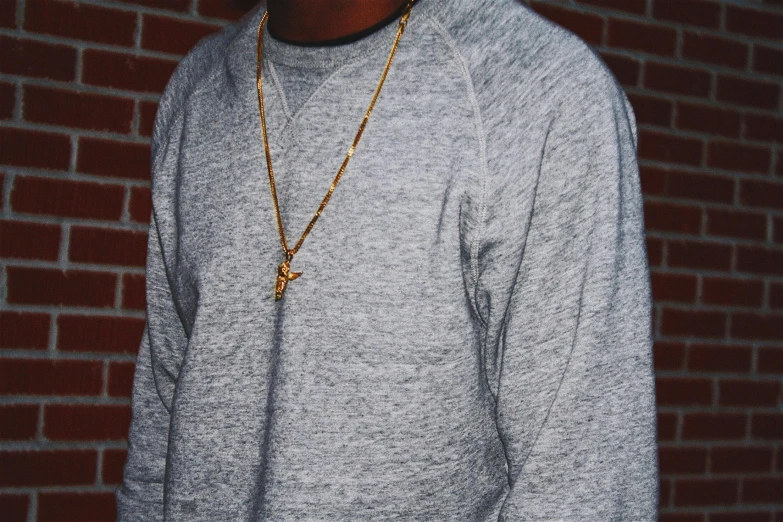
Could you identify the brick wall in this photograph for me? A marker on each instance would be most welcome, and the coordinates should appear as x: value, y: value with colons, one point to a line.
x: 79, y: 83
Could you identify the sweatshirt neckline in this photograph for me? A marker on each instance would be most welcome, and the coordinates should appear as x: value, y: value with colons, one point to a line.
x: 242, y: 49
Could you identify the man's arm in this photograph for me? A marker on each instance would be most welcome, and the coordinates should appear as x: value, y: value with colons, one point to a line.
x: 569, y: 343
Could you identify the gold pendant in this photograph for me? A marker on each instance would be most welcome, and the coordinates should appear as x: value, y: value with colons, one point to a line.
x: 284, y: 275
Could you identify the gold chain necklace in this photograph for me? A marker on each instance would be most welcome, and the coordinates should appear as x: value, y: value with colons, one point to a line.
x: 284, y: 273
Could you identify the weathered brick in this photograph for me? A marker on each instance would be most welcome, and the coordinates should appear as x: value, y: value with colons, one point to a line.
x: 66, y: 198
x: 50, y: 377
x: 77, y: 109
x: 24, y: 330
x: 82, y: 333
x: 80, y: 21
x: 37, y: 149
x: 51, y: 286
x: 27, y: 240
x: 48, y: 468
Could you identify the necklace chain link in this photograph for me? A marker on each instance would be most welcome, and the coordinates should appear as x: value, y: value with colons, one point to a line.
x: 283, y: 273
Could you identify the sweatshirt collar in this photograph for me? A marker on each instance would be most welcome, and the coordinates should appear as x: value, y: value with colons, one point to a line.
x: 241, y: 51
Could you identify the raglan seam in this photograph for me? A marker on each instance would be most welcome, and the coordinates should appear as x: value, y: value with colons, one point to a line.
x: 481, y: 136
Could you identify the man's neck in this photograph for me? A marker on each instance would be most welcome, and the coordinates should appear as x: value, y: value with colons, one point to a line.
x: 313, y: 21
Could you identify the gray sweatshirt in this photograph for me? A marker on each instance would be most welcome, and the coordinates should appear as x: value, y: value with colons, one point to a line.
x: 470, y: 338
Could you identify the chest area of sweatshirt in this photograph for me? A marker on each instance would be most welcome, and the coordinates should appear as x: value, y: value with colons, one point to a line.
x: 405, y: 207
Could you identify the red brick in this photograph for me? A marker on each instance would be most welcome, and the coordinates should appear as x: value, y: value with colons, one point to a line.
x: 28, y: 148
x: 673, y: 287
x: 121, y: 379
x: 113, y: 465
x: 7, y: 100
x: 80, y: 21
x: 767, y: 59
x: 26, y: 240
x: 683, y: 391
x: 735, y: 392
x: 24, y: 330
x: 714, y: 49
x: 677, y: 79
x: 668, y: 355
x: 48, y: 468
x: 738, y: 459
x: 708, y: 119
x: 751, y: 93
x: 738, y: 224
x: 7, y: 19
x: 762, y: 490
x: 742, y: 158
x: 626, y: 34
x: 81, y: 333
x: 65, y: 198
x: 699, y: 254
x: 682, y: 460
x: 651, y: 110
x: 76, y: 507
x: 669, y: 217
x: 691, y: 12
x: 718, y: 358
x: 37, y: 59
x: 668, y: 148
x: 760, y: 260
x: 758, y: 193
x: 681, y: 517
x: 134, y: 291
x: 174, y: 5
x: 107, y: 246
x: 741, y: 516
x: 113, y: 158
x: 776, y: 295
x: 654, y: 251
x: 49, y: 286
x: 699, y: 186
x: 230, y: 10
x: 77, y: 109
x: 18, y: 421
x: 588, y: 26
x: 86, y: 422
x: 13, y: 508
x: 767, y: 426
x: 757, y: 326
x: 778, y: 227
x: 770, y: 359
x: 713, y: 426
x: 764, y: 127
x: 172, y: 35
x: 50, y: 377
x: 667, y: 426
x: 754, y: 22
x: 653, y: 180
x: 140, y: 206
x: 689, y: 323
x: 147, y: 112
x: 627, y: 70
x: 705, y: 492
x: 126, y: 71
x: 732, y: 292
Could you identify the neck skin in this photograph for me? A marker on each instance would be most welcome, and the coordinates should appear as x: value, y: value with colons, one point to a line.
x: 313, y: 21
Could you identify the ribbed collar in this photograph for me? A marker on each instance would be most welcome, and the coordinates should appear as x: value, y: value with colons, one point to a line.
x: 241, y: 51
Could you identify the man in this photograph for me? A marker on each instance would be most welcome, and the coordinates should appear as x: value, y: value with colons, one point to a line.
x: 463, y: 334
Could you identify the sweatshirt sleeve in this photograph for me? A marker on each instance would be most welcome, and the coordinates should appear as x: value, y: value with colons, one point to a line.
x: 163, y: 343
x: 568, y: 341
x: 140, y: 498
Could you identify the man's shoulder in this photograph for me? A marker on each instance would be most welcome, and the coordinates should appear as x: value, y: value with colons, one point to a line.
x: 513, y: 47
x: 195, y: 69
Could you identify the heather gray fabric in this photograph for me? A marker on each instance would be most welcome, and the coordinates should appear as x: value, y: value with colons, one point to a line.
x: 471, y: 337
